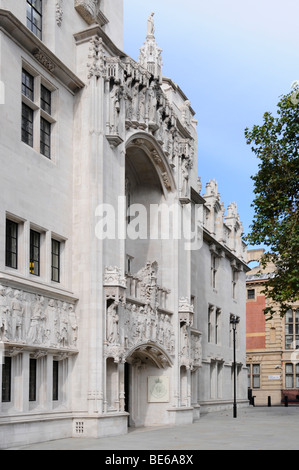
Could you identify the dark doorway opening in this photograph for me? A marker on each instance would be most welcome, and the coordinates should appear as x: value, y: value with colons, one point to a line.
x: 127, y: 386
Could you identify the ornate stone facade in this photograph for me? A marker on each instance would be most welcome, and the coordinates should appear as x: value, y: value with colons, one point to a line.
x: 83, y: 349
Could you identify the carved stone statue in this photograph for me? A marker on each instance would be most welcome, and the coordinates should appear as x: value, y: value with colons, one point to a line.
x: 73, y: 326
x: 35, y: 333
x: 63, y: 330
x: 150, y: 25
x: 112, y: 324
x: 3, y: 315
x: 51, y: 323
x: 17, y: 317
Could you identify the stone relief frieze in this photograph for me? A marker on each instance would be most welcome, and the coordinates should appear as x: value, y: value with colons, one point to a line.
x: 36, y: 320
x: 134, y: 325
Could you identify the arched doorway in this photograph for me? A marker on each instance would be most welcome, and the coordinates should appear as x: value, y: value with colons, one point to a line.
x: 147, y: 385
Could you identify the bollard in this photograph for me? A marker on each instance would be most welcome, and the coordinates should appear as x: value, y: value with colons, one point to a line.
x: 269, y: 401
x: 286, y: 400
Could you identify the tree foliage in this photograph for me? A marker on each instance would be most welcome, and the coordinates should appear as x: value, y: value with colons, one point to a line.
x: 276, y: 188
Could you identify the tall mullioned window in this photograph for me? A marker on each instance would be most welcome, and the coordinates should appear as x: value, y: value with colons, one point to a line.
x: 34, y: 17
x: 27, y: 125
x: 292, y: 329
x: 292, y: 375
x: 55, y: 263
x: 27, y: 84
x: 45, y: 138
x: 11, y: 248
x: 36, y: 108
x: 34, y: 253
x: 45, y: 124
x: 45, y: 99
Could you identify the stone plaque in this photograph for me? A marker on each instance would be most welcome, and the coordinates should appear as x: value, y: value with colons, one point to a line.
x: 158, y: 389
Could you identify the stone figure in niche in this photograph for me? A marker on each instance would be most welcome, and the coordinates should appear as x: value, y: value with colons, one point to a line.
x: 141, y: 106
x: 186, y: 165
x: 184, y: 340
x: 150, y: 25
x: 128, y: 99
x: 135, y: 94
x: 115, y: 108
x: 196, y: 348
x: 73, y: 326
x: 4, y: 309
x: 35, y: 333
x: 152, y: 107
x: 17, y: 312
x: 112, y: 324
x: 51, y: 323
x: 63, y: 330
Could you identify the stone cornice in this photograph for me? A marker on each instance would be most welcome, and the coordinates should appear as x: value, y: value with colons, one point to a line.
x: 96, y: 30
x: 29, y: 42
x: 196, y: 197
x: 176, y: 88
x: 208, y: 237
x: 20, y: 282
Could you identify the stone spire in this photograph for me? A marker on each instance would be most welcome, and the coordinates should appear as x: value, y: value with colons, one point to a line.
x: 150, y: 54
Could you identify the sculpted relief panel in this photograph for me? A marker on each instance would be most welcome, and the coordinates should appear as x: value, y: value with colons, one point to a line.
x: 140, y: 316
x: 33, y: 319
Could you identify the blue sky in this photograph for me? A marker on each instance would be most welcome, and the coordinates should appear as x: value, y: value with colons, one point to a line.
x: 233, y: 59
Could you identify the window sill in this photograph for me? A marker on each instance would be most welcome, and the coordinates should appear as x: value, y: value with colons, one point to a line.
x: 19, y: 281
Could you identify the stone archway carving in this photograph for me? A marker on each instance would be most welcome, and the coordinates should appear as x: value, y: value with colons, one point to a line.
x: 155, y: 154
x: 149, y: 352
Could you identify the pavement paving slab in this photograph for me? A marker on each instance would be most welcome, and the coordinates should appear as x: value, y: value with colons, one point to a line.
x: 254, y: 428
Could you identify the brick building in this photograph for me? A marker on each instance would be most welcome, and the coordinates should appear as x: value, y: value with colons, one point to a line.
x: 271, y: 345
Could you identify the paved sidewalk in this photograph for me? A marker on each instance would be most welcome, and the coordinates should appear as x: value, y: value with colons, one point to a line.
x: 259, y: 428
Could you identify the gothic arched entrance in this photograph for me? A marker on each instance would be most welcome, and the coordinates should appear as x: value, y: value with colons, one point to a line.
x: 147, y: 385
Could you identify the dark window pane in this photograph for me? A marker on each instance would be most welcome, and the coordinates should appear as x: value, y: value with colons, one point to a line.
x: 11, y: 252
x: 250, y: 294
x: 27, y: 84
x: 55, y: 380
x: 34, y: 17
x: 55, y: 261
x: 34, y: 267
x: 45, y: 99
x: 45, y: 138
x: 6, y: 380
x: 27, y: 125
x: 32, y: 380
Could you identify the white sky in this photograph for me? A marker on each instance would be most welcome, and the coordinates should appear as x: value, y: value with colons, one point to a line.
x: 233, y: 59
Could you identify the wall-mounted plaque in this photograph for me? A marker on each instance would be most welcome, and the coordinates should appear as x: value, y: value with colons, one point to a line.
x: 158, y: 389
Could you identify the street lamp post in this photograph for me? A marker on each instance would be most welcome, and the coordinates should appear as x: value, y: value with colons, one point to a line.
x: 234, y: 321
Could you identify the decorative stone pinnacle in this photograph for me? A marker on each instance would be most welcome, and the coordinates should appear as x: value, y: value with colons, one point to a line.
x: 150, y: 54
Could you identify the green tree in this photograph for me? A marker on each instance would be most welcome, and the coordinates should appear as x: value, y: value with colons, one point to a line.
x: 276, y: 187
